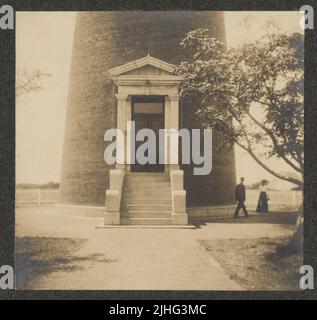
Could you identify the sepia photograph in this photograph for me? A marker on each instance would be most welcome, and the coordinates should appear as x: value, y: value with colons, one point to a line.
x: 159, y: 150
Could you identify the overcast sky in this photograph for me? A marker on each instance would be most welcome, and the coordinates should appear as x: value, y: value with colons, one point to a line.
x: 44, y: 42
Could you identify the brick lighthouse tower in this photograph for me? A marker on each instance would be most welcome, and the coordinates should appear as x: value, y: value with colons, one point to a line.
x: 122, y: 69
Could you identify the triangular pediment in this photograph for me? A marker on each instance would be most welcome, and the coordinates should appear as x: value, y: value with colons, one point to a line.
x: 147, y: 70
x: 145, y: 66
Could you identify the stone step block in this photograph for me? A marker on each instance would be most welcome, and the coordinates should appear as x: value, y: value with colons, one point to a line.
x: 148, y: 207
x: 146, y: 221
x: 147, y: 214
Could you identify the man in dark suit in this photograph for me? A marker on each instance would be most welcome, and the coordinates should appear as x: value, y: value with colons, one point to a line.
x: 240, y: 197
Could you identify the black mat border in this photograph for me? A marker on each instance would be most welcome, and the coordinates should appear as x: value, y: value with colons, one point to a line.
x: 7, y: 142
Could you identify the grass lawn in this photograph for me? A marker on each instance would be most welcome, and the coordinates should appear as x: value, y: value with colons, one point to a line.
x: 258, y: 264
x: 38, y: 256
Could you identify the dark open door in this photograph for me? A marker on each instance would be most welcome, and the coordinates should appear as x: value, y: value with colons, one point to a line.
x: 148, y: 113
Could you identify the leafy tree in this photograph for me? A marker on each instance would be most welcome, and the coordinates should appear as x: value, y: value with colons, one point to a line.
x: 252, y: 94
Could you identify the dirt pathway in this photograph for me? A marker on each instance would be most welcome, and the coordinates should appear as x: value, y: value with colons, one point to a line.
x: 135, y: 259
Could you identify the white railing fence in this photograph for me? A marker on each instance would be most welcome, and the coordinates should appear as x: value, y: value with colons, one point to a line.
x: 36, y: 196
x: 279, y: 200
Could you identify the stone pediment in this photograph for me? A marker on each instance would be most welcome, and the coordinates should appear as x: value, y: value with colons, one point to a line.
x: 145, y: 69
x: 147, y: 65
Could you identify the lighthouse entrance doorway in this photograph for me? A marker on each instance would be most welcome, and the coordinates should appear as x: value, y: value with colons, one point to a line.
x: 148, y: 113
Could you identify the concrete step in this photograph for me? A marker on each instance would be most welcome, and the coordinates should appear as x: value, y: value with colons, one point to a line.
x: 146, y: 200
x: 147, y: 174
x: 148, y: 207
x: 148, y: 177
x: 151, y: 214
x: 147, y: 181
x: 147, y: 191
x: 148, y: 188
x: 150, y: 183
x: 150, y: 195
x: 146, y: 221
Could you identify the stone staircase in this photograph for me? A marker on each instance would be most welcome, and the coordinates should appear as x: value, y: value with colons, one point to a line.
x: 146, y: 199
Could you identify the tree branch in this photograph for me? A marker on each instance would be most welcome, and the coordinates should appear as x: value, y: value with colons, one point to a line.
x: 264, y: 166
x: 271, y: 135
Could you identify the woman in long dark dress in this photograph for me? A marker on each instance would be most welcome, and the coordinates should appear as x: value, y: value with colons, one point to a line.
x: 263, y: 205
x: 263, y: 202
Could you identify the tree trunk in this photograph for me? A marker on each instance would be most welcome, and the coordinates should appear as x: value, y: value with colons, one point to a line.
x: 296, y: 242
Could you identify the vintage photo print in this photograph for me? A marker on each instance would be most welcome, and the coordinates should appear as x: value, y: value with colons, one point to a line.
x: 159, y: 150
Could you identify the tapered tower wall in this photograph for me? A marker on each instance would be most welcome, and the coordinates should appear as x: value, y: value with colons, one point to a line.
x: 104, y: 40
